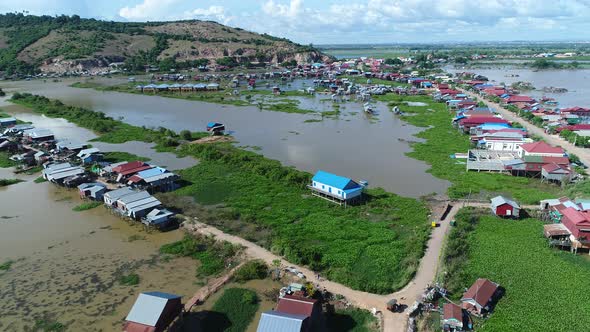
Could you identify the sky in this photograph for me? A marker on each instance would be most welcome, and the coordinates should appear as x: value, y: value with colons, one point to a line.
x: 350, y: 21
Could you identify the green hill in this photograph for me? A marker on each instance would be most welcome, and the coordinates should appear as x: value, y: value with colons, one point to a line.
x: 62, y: 44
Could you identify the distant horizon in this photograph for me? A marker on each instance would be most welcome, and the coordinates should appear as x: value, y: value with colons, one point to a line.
x: 349, y: 21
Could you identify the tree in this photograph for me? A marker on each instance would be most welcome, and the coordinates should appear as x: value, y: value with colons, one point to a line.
x: 394, y: 62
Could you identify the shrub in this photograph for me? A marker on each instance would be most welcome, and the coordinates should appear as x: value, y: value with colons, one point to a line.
x: 256, y: 269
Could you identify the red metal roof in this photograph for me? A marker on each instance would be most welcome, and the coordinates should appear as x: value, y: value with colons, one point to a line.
x: 564, y: 161
x: 131, y: 167
x: 481, y: 291
x: 296, y: 305
x: 137, y: 327
x: 541, y: 147
x: 519, y: 99
x: 477, y: 120
x: 550, y: 168
x: 574, y: 109
x: 451, y: 310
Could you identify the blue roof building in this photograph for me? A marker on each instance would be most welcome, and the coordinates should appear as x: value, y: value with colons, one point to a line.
x: 335, y: 188
x: 274, y: 321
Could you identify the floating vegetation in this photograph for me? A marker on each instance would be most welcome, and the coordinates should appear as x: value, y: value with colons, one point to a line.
x: 129, y: 279
x: 87, y: 206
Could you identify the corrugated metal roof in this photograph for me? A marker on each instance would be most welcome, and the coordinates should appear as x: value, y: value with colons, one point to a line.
x: 335, y: 181
x: 500, y: 200
x: 148, y: 308
x: 273, y: 321
x: 118, y: 193
x: 87, y: 152
x: 69, y: 172
x: 151, y: 172
x: 127, y: 199
x: 140, y: 203
x: 159, y: 177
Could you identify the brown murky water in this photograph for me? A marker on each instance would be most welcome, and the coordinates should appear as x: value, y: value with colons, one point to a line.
x: 371, y: 149
x: 67, y: 263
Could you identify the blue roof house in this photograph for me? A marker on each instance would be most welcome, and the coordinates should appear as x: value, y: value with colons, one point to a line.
x: 274, y: 321
x: 335, y: 188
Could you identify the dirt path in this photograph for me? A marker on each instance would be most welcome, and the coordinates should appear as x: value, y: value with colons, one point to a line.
x: 391, y: 321
x: 582, y: 153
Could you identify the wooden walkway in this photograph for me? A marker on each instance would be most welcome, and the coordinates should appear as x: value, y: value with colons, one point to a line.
x: 212, y: 286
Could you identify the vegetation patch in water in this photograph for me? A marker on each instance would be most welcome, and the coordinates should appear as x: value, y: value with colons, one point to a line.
x: 129, y: 279
x: 40, y: 180
x: 233, y: 311
x: 86, y: 206
x: 214, y: 255
x: 8, y: 182
x: 6, y: 265
x: 115, y: 157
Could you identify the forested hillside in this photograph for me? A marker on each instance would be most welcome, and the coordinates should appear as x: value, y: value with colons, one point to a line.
x: 62, y: 44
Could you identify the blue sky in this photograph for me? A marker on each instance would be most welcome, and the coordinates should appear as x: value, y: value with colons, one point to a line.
x: 351, y: 21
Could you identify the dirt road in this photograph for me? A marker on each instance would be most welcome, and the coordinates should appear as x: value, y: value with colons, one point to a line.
x: 391, y: 321
x: 582, y: 153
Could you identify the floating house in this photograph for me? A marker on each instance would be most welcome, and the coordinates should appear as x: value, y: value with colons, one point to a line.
x: 154, y: 179
x: 479, y: 298
x: 158, y: 218
x: 503, y: 207
x: 453, y: 318
x: 7, y: 122
x: 89, y: 156
x: 111, y: 197
x: 153, y: 312
x: 137, y: 205
x: 58, y: 173
x: 335, y: 188
x: 92, y: 190
x: 273, y: 321
x: 124, y: 171
x: 70, y: 146
x: 38, y: 135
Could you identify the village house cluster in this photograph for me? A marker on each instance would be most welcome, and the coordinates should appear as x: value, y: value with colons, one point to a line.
x: 126, y: 188
x: 568, y: 223
x: 498, y: 146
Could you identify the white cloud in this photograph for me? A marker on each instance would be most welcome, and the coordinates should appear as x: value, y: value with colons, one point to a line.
x: 147, y: 10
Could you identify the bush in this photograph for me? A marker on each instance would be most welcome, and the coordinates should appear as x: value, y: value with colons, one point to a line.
x: 186, y: 134
x: 256, y: 269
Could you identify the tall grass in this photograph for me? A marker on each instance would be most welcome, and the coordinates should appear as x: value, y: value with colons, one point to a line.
x: 233, y: 311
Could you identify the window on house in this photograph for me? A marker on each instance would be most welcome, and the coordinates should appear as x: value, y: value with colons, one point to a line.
x: 504, y: 146
x: 323, y: 187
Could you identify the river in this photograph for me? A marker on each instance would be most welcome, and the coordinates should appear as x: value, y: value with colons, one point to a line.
x: 355, y: 146
x: 576, y: 81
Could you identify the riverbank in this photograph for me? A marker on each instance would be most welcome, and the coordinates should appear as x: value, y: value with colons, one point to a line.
x: 267, y: 201
x: 441, y: 140
x: 263, y: 99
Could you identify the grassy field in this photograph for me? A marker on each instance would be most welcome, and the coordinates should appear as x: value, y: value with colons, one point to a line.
x: 442, y: 140
x: 543, y: 285
x: 5, y: 161
x: 375, y: 246
x: 8, y: 182
x: 233, y: 311
x: 351, y: 320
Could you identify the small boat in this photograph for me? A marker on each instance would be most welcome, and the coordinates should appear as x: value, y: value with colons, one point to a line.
x: 396, y: 110
x: 215, y: 128
x: 368, y: 108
